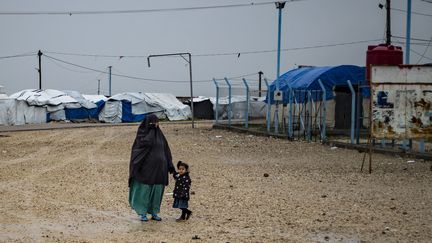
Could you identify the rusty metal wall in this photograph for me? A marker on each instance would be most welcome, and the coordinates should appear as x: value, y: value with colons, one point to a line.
x: 401, y: 102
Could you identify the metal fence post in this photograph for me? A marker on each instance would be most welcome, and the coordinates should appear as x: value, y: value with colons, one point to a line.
x: 324, y: 109
x: 309, y: 94
x: 229, y: 102
x: 247, y: 104
x: 217, y: 102
x: 268, y: 105
x: 353, y: 100
x: 421, y: 146
x: 290, y: 115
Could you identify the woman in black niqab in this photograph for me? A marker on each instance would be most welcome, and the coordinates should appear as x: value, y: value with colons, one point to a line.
x: 149, y: 166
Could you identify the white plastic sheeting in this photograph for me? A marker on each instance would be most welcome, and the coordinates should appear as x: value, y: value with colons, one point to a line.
x: 112, y: 112
x: 7, y: 111
x: 95, y: 98
x: 161, y: 104
x: 257, y: 107
x: 173, y: 108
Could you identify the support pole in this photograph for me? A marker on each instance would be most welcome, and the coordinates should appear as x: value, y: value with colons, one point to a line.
x: 190, y: 75
x: 309, y: 135
x: 191, y: 90
x: 408, y: 33
x: 388, y: 24
x: 324, y: 109
x: 98, y: 86
x: 290, y: 114
x: 247, y: 104
x: 40, y: 69
x: 109, y: 84
x: 217, y: 102
x: 353, y: 110
x: 268, y: 106
x: 260, y: 73
x: 229, y: 101
x: 279, y: 6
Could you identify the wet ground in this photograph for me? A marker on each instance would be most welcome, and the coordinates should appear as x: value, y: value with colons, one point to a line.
x: 71, y: 185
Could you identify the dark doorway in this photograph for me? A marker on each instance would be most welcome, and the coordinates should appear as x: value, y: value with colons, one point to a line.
x: 343, y: 106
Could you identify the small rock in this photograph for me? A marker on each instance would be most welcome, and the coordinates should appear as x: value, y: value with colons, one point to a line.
x: 324, y: 196
x: 404, y: 213
x: 326, y: 238
x: 192, y: 193
x: 266, y: 175
x: 196, y: 237
x: 392, y: 208
x: 231, y: 186
x: 383, y: 232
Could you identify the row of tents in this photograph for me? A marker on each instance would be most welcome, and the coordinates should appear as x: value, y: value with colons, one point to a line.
x: 34, y: 106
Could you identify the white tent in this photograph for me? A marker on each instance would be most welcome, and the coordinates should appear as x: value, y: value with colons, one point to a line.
x: 173, y: 108
x: 117, y: 106
x: 257, y: 107
x: 127, y: 107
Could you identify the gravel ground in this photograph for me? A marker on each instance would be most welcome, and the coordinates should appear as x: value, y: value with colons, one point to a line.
x: 71, y: 185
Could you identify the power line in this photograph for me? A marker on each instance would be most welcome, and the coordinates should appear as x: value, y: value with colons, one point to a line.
x: 19, y: 55
x: 416, y: 39
x: 140, y: 78
x: 134, y: 11
x: 425, y: 51
x: 413, y: 12
x: 421, y: 55
x: 215, y: 54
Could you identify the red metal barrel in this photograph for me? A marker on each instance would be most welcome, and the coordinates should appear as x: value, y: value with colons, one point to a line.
x: 382, y: 55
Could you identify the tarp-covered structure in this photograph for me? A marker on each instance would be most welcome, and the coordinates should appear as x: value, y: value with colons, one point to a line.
x: 61, y: 105
x: 306, y: 78
x: 257, y: 107
x: 133, y: 106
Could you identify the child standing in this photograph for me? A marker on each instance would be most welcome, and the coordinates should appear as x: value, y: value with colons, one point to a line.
x: 181, y: 190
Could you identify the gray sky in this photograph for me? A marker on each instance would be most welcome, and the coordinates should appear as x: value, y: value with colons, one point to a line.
x: 227, y: 30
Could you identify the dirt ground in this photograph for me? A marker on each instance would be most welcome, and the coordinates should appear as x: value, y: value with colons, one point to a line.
x: 70, y: 185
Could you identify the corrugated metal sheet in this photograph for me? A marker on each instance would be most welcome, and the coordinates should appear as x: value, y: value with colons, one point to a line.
x: 401, y: 102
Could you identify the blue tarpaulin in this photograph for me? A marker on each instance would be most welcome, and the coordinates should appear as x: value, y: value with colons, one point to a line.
x: 127, y: 115
x: 84, y: 113
x: 306, y: 78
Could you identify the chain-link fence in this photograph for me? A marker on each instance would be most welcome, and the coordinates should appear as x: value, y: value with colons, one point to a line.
x: 303, y: 114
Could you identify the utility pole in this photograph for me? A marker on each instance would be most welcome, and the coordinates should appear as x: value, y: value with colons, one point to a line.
x: 109, y: 92
x: 260, y: 73
x: 279, y: 6
x: 388, y: 30
x: 98, y: 86
x: 189, y: 61
x: 40, y: 69
x: 408, y: 33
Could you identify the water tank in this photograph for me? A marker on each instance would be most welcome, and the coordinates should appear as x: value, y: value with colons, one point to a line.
x: 383, y: 55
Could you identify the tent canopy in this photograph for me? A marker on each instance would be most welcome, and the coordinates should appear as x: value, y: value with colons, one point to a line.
x: 306, y: 78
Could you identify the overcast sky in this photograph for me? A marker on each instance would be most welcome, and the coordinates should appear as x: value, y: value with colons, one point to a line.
x: 212, y: 31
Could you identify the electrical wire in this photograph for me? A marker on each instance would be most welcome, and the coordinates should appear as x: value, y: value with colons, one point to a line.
x: 72, y: 70
x: 134, y: 11
x: 416, y: 39
x: 19, y: 55
x: 140, y: 78
x: 425, y: 51
x: 413, y: 12
x: 421, y: 55
x: 218, y: 54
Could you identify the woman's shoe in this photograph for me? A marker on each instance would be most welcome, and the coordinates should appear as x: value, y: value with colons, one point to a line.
x: 156, y: 217
x: 144, y: 218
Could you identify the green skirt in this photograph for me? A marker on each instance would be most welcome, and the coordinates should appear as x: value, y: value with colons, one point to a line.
x: 144, y: 198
